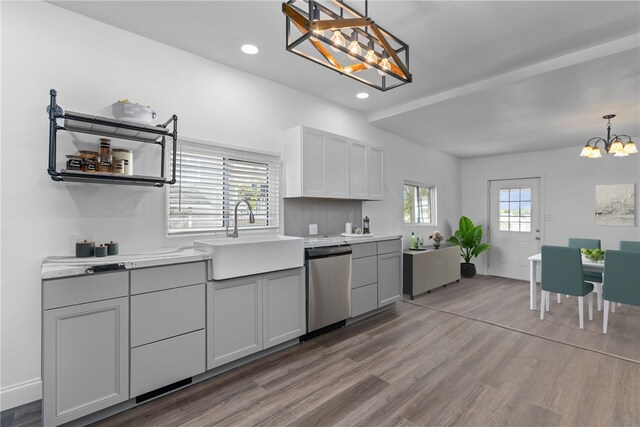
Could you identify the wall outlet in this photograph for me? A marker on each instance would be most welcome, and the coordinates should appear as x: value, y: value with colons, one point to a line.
x: 313, y: 229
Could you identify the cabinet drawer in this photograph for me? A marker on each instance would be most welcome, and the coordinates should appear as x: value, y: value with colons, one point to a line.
x: 363, y: 249
x: 159, y: 315
x: 165, y: 362
x: 364, y: 271
x: 166, y: 277
x: 78, y: 290
x: 364, y: 299
x: 389, y: 246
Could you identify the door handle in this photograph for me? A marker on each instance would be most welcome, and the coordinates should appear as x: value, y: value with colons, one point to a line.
x: 537, y: 238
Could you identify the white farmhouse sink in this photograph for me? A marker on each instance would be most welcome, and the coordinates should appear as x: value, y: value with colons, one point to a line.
x: 243, y: 256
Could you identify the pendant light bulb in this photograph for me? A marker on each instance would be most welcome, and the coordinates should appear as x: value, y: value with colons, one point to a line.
x: 384, y: 64
x: 354, y: 46
x: 338, y: 40
x: 371, y: 57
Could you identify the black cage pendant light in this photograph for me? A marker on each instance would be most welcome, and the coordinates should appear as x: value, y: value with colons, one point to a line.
x: 337, y: 36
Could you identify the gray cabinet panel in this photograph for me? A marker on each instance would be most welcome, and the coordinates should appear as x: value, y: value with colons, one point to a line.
x: 389, y: 278
x: 90, y: 288
x: 430, y: 269
x: 164, y: 362
x: 388, y: 246
x: 85, y: 359
x: 166, y: 277
x: 234, y: 319
x: 159, y: 315
x: 364, y: 271
x: 364, y: 299
x: 364, y: 249
x: 284, y: 306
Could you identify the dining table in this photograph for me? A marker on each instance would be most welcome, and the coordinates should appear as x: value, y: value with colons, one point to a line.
x: 535, y: 260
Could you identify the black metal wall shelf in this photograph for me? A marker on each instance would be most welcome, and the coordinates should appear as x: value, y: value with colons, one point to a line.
x: 104, y: 126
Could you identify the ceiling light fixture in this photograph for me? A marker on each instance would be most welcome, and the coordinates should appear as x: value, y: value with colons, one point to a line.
x: 249, y: 49
x: 362, y: 95
x: 614, y: 144
x: 385, y: 64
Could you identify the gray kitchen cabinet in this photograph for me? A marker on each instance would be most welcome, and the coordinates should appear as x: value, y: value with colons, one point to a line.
x: 376, y: 275
x: 389, y: 278
x: 375, y: 173
x: 234, y: 319
x: 85, y: 355
x: 283, y: 295
x: 167, y: 361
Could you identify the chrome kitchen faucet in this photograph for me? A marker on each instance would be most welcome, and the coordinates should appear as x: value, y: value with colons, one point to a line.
x: 252, y: 219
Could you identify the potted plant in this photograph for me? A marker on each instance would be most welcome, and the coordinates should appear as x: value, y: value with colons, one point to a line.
x: 436, y: 238
x: 468, y: 237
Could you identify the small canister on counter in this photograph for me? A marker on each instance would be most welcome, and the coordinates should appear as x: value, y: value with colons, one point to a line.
x: 89, y: 160
x: 101, y: 251
x: 112, y: 248
x: 74, y: 162
x: 127, y: 156
x: 85, y: 249
x: 105, y: 146
x: 105, y: 163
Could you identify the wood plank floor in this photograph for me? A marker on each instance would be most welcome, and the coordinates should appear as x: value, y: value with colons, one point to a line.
x: 418, y: 366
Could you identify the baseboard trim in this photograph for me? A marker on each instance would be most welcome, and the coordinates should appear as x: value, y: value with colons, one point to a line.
x: 20, y: 394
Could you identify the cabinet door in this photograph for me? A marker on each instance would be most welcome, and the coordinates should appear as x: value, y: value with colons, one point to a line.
x: 336, y: 167
x: 284, y: 306
x: 389, y: 278
x: 375, y: 173
x: 358, y: 170
x: 313, y: 163
x: 85, y: 359
x: 234, y: 319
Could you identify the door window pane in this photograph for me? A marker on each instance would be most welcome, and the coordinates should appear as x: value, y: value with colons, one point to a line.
x: 515, y: 209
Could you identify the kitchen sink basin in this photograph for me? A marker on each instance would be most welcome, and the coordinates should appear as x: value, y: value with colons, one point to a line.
x: 243, y: 256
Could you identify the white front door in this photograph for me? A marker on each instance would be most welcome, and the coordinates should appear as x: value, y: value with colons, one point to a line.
x: 514, y: 226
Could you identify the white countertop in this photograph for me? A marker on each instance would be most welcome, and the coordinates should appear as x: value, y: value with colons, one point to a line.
x: 320, y: 241
x: 64, y: 266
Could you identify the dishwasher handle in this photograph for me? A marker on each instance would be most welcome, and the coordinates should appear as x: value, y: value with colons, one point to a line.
x: 328, y: 251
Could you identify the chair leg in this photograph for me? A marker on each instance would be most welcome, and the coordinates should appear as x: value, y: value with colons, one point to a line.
x: 548, y: 300
x: 590, y: 298
x: 605, y: 322
x: 613, y: 307
x: 581, y: 311
x: 599, y: 290
x: 559, y: 299
x: 567, y: 296
x: 543, y: 299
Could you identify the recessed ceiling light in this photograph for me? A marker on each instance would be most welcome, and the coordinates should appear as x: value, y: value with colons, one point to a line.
x: 250, y: 49
x: 362, y: 95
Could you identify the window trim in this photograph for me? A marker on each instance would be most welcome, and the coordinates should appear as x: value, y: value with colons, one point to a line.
x: 434, y: 204
x: 240, y: 151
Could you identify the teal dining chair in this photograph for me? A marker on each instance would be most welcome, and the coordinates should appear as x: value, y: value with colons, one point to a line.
x: 590, y: 276
x: 629, y: 246
x: 562, y: 273
x: 621, y: 280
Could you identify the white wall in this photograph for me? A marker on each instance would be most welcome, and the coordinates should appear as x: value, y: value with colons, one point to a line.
x: 92, y: 65
x: 568, y: 191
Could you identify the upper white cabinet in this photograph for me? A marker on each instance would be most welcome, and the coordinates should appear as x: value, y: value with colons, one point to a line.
x: 322, y: 164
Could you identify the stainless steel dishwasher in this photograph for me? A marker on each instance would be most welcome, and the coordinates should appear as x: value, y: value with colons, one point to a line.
x: 328, y: 287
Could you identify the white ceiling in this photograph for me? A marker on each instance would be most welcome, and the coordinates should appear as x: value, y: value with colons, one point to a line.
x: 489, y: 77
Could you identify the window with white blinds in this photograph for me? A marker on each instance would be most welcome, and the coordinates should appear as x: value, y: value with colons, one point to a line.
x: 211, y: 180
